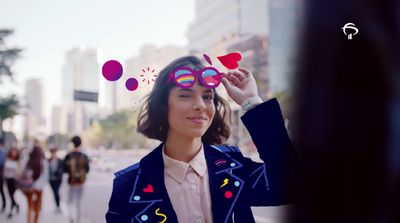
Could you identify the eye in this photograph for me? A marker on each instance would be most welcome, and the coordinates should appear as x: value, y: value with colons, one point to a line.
x: 208, y: 97
x: 184, y: 96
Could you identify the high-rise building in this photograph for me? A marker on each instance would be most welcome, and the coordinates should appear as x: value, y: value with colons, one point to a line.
x: 216, y: 20
x: 284, y: 26
x: 80, y: 73
x: 35, y: 122
x: 59, y: 119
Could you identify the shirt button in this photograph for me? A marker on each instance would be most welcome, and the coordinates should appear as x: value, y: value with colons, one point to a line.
x: 199, y: 220
x: 194, y: 187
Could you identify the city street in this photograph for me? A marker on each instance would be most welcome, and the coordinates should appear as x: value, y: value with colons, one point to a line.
x: 98, y: 190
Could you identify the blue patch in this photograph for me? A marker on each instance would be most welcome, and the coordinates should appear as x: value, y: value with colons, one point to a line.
x: 144, y: 217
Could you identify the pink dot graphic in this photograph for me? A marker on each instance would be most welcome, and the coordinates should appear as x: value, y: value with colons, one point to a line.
x: 112, y: 70
x: 131, y: 84
x: 228, y: 194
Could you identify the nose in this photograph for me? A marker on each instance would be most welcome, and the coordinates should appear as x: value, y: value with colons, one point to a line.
x: 199, y: 104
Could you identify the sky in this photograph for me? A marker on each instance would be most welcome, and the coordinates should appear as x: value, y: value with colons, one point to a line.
x: 47, y: 29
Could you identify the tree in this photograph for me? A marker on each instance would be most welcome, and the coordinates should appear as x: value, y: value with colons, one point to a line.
x: 7, y: 55
x: 116, y: 131
x: 8, y: 109
x: 8, y: 105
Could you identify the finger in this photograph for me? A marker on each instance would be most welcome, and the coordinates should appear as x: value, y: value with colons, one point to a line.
x: 228, y: 77
x: 228, y: 86
x: 244, y: 71
x: 233, y: 79
x: 239, y: 76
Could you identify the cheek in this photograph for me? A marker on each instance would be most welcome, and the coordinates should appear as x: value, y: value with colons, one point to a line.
x: 176, y: 111
x: 211, y: 111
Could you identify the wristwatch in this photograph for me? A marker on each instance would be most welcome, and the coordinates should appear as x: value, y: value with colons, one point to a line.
x: 250, y: 103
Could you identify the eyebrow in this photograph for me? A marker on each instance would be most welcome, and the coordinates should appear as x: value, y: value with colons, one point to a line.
x: 190, y: 90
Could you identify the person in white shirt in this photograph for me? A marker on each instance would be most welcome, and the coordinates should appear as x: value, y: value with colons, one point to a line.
x: 11, y: 172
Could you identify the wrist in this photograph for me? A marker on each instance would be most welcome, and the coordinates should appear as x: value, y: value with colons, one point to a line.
x: 250, y: 103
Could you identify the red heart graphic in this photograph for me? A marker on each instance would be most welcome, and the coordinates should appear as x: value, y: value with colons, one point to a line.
x: 148, y: 189
x: 231, y: 60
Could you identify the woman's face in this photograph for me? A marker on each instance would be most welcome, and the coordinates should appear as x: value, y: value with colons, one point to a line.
x: 190, y: 111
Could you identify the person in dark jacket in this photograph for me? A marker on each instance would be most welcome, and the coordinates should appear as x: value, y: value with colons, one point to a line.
x: 76, y: 165
x: 55, y: 176
x: 190, y: 176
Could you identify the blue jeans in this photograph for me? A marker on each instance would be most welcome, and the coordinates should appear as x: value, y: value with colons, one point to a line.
x: 74, y: 203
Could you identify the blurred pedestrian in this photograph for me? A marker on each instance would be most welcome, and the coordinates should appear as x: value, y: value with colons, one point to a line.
x: 76, y: 165
x: 55, y: 176
x: 2, y: 160
x: 11, y: 172
x: 33, y: 179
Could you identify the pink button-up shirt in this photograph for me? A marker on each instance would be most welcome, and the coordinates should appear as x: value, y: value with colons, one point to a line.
x: 188, y: 188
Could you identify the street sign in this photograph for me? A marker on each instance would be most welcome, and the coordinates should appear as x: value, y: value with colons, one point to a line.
x: 85, y: 96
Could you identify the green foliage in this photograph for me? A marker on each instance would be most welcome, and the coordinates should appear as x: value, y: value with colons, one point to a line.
x: 8, y: 108
x: 8, y: 105
x: 7, y: 55
x: 116, y: 131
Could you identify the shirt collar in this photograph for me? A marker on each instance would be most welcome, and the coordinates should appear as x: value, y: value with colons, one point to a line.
x: 198, y: 163
x: 178, y: 169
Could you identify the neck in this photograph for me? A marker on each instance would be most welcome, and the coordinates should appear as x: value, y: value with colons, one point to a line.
x: 182, y: 149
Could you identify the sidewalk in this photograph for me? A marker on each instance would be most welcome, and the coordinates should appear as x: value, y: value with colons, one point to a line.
x: 47, y: 215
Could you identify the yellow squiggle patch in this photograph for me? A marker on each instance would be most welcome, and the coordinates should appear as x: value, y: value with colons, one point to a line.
x: 162, y: 215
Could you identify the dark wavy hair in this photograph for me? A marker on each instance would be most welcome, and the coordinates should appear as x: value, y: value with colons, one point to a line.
x: 153, y: 115
x: 35, y: 161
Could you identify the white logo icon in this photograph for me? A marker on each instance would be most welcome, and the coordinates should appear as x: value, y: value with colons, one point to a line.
x: 350, y: 26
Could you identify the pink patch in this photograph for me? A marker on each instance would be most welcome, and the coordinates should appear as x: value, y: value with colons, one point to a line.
x: 228, y: 194
x: 231, y: 60
x: 148, y: 189
x: 207, y: 58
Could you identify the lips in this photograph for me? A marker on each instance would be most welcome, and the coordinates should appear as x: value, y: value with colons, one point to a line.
x: 197, y: 119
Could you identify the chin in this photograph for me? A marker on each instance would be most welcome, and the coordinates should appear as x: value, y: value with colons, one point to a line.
x: 195, y: 134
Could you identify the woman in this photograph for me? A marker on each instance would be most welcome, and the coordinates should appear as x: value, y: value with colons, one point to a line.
x: 11, y: 171
x: 55, y: 176
x: 189, y: 179
x: 36, y: 169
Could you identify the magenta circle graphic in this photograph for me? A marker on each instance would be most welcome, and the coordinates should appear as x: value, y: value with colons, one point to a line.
x: 112, y: 70
x: 131, y: 84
